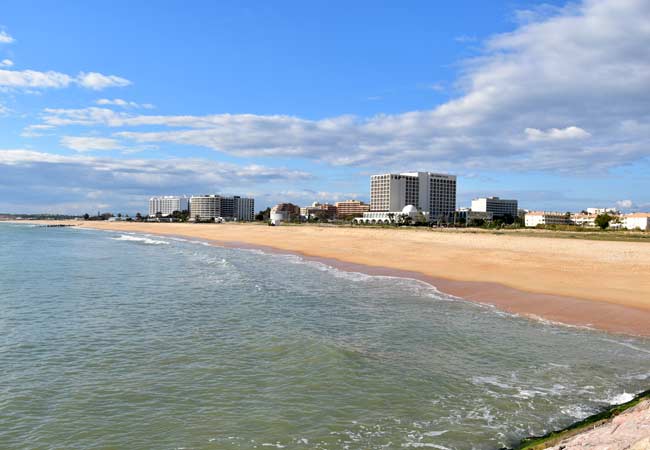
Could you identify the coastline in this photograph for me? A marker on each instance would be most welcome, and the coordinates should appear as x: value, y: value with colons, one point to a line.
x: 618, y: 427
x: 606, y: 306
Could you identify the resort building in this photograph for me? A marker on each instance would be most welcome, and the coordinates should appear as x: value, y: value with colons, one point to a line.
x: 635, y: 221
x: 213, y: 207
x: 433, y: 193
x: 323, y: 211
x: 408, y: 214
x: 351, y: 208
x: 499, y: 207
x: 166, y: 205
x: 584, y: 220
x: 535, y: 218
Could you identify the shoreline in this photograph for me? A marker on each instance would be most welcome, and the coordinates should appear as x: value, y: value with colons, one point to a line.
x: 611, y: 316
x: 621, y: 425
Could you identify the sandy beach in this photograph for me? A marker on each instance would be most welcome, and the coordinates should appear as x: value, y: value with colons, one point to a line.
x: 599, y: 284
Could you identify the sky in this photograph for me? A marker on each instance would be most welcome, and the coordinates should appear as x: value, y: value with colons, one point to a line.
x: 104, y: 104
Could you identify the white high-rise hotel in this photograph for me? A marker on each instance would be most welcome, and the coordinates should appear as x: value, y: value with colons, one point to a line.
x: 432, y: 193
x: 167, y: 204
x: 210, y: 207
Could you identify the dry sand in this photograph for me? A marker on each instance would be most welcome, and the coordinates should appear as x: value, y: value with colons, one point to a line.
x: 601, y: 284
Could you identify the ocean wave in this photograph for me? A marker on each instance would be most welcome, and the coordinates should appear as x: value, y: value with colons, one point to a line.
x: 618, y: 399
x: 142, y: 240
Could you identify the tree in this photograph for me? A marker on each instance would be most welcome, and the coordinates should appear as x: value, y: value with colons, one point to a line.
x: 263, y: 215
x: 602, y: 220
x: 86, y: 216
x: 138, y: 217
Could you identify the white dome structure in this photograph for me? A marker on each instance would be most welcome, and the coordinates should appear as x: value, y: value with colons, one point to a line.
x: 410, y: 210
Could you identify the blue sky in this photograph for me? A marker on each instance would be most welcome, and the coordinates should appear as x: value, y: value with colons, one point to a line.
x: 105, y: 104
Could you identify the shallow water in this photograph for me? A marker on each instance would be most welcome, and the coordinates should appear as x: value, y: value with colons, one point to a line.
x: 110, y: 340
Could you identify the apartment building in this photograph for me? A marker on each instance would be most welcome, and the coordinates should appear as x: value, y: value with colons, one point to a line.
x: 167, y: 204
x: 637, y: 220
x: 211, y: 207
x: 351, y: 208
x: 319, y: 210
x: 432, y: 193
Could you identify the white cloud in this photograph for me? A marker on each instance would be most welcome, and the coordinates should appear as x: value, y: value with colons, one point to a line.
x: 90, y: 143
x: 97, y: 81
x: 63, y: 181
x: 563, y: 71
x: 6, y: 63
x: 625, y: 204
x: 34, y: 79
x: 123, y: 103
x: 553, y: 134
x: 53, y: 79
x: 5, y: 38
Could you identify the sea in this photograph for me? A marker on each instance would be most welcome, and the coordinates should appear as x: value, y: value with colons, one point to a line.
x: 124, y: 341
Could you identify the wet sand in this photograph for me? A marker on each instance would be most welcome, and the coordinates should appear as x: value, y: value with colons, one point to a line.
x: 598, y: 284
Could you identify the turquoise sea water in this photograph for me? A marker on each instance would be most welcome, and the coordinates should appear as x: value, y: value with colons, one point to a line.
x: 113, y: 341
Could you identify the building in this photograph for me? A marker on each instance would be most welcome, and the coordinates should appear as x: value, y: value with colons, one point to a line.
x: 432, y: 193
x: 319, y: 210
x: 499, y: 207
x: 238, y: 208
x: 467, y: 216
x: 166, y: 205
x: 598, y: 211
x: 637, y: 220
x: 351, y: 208
x: 213, y: 207
x: 391, y: 217
x: 284, y: 212
x: 584, y: 220
x: 535, y: 218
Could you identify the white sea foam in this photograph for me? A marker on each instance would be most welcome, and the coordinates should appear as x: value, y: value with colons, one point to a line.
x: 577, y: 411
x: 142, y: 240
x: 424, y: 445
x: 618, y: 399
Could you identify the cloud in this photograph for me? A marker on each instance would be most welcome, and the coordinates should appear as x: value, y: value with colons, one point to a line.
x: 552, y: 134
x: 40, y: 179
x: 6, y: 63
x: 559, y: 73
x: 5, y: 38
x: 52, y: 79
x: 123, y: 103
x: 97, y: 81
x: 86, y: 144
x: 34, y: 79
x: 625, y: 204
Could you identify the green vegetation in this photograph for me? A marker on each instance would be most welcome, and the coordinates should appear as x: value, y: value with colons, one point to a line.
x: 603, y: 220
x: 554, y: 437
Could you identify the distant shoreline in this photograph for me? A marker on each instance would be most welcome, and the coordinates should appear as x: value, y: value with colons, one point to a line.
x: 596, y: 284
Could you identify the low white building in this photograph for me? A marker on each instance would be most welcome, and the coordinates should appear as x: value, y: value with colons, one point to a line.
x: 390, y: 217
x: 635, y: 221
x: 499, y: 207
x: 535, y: 218
x: 584, y: 220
